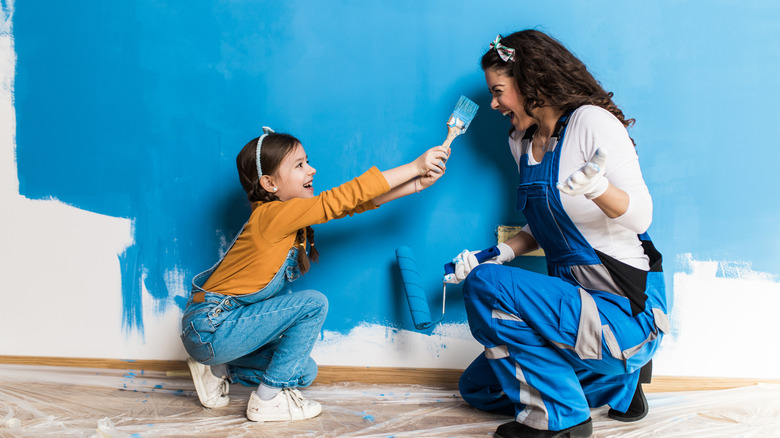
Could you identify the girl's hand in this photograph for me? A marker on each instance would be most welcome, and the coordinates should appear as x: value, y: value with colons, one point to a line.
x: 432, y: 161
x: 429, y: 178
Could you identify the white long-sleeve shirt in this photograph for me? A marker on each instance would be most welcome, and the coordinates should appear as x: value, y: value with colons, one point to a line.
x: 590, y: 128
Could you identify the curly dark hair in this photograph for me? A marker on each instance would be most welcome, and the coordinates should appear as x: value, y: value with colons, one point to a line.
x: 276, y: 146
x: 544, y: 69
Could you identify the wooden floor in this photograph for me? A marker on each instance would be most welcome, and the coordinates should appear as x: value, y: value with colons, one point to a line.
x: 38, y: 401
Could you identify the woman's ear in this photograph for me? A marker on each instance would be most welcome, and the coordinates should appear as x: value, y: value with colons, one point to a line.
x: 267, y: 183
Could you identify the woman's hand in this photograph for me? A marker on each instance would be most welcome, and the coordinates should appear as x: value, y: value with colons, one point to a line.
x: 589, y: 180
x: 431, y: 161
x: 466, y: 261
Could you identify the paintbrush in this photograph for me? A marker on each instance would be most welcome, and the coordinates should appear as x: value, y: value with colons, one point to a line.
x: 461, y: 118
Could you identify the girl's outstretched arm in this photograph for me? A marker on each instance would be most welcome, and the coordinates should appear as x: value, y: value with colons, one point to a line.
x: 415, y: 176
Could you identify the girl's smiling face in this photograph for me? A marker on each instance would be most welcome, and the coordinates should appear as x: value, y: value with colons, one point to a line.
x: 507, y: 100
x: 294, y: 178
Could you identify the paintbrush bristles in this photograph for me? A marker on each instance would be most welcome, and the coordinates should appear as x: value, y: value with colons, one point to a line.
x: 461, y: 118
x: 464, y: 113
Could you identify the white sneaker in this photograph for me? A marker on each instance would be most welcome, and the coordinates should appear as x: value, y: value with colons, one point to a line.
x: 212, y: 390
x: 288, y: 405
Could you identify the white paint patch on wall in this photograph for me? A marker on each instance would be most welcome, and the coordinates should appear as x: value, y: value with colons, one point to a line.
x: 61, y: 276
x: 724, y: 326
x: 161, y: 328
x: 448, y: 346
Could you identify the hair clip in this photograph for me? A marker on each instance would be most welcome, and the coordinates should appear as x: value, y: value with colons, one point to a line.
x: 507, y: 54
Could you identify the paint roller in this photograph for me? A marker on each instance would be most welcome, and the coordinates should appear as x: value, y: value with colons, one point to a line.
x: 415, y: 295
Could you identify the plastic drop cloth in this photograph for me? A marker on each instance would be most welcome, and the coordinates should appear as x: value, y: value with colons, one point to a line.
x: 82, y: 402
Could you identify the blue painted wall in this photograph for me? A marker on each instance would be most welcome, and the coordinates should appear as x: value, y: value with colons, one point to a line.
x: 137, y: 110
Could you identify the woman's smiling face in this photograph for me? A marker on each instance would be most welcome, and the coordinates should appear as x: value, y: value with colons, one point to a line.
x: 507, y: 100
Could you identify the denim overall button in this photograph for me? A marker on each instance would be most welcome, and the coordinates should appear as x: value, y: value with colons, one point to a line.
x: 217, y: 311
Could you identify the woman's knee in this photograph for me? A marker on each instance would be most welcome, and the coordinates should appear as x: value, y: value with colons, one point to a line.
x: 479, y: 387
x: 483, y: 280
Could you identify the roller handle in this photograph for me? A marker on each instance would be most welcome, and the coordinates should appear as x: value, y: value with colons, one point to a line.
x: 481, y: 256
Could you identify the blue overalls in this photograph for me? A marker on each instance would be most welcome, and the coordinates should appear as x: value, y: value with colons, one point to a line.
x: 557, y: 345
x: 265, y: 336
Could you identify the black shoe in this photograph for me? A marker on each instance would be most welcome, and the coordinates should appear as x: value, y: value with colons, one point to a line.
x: 646, y: 374
x: 637, y: 410
x: 513, y: 429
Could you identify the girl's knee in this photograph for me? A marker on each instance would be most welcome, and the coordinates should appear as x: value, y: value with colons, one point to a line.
x: 316, y: 300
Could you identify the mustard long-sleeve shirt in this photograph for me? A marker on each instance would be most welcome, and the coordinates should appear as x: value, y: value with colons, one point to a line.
x: 270, y: 232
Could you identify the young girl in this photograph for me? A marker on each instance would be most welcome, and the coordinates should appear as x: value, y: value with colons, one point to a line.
x: 243, y: 323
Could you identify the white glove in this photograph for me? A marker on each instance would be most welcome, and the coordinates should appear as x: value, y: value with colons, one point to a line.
x: 589, y: 180
x: 467, y: 260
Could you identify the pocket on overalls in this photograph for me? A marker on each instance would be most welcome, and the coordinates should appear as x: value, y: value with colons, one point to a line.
x: 292, y: 272
x: 547, y: 227
x: 196, y: 346
x: 518, y: 329
x: 522, y: 197
x: 569, y: 311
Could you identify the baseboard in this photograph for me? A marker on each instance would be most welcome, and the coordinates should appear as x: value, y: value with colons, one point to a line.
x: 328, y: 374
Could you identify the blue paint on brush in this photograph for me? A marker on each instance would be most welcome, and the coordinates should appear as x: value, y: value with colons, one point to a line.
x: 463, y: 114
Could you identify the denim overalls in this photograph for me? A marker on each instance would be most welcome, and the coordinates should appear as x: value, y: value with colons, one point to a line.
x: 264, y: 337
x: 558, y: 344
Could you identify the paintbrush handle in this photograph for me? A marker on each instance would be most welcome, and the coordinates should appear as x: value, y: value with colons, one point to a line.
x: 452, y: 132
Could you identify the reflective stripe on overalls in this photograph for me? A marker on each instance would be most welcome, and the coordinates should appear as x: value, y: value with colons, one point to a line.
x: 575, y: 339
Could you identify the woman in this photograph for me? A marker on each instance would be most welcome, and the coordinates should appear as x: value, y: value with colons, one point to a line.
x: 558, y: 344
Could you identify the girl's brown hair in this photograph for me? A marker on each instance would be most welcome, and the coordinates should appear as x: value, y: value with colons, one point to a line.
x: 544, y: 69
x: 275, y: 147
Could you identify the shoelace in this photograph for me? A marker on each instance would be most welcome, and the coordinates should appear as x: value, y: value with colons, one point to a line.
x: 295, y: 396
